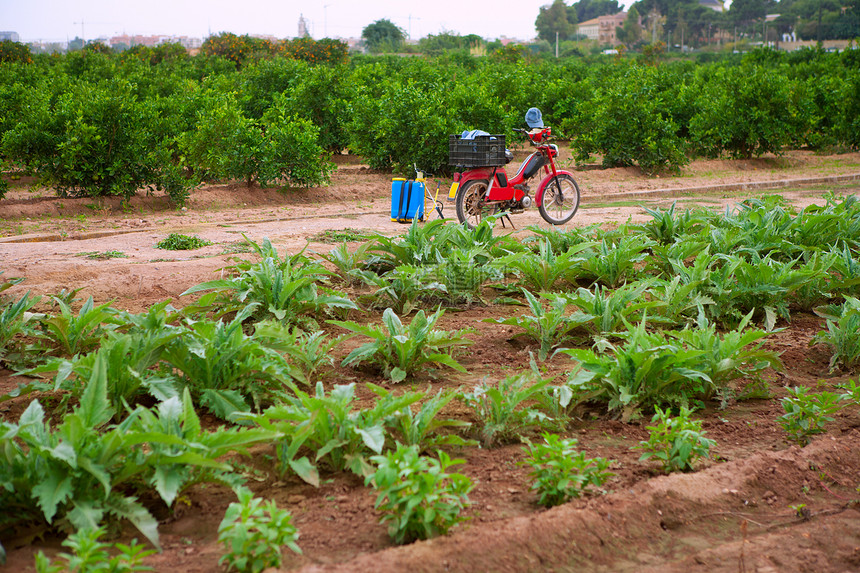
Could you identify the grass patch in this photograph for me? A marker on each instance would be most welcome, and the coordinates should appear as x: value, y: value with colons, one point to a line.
x: 236, y: 248
x: 103, y: 256
x: 177, y: 242
x: 341, y: 236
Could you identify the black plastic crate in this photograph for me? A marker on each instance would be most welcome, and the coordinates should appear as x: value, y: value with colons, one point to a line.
x: 482, y: 151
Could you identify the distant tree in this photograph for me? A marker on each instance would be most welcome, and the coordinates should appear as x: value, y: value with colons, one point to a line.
x: 824, y: 19
x: 746, y: 14
x: 14, y: 52
x: 446, y: 42
x: 554, y: 20
x: 631, y: 32
x: 75, y: 44
x: 98, y: 48
x: 590, y: 9
x: 681, y: 18
x: 383, y: 36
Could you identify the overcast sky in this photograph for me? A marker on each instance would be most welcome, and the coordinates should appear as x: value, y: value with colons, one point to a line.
x: 58, y: 20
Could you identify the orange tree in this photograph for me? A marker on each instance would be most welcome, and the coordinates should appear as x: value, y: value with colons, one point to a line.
x: 14, y: 52
x: 325, y: 51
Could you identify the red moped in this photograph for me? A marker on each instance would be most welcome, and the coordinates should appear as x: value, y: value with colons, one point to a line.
x: 483, y: 188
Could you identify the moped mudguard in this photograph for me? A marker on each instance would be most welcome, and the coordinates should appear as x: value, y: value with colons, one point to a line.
x: 544, y: 182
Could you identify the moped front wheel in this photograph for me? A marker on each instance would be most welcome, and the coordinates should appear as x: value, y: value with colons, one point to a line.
x: 560, y: 200
x: 470, y: 204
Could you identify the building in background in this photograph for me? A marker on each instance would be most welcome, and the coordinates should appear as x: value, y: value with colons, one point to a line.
x: 602, y: 28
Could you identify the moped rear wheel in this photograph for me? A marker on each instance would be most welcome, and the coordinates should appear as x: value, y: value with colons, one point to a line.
x: 470, y: 205
x: 560, y: 200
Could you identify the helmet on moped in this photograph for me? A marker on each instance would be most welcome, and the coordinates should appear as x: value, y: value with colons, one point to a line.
x: 534, y: 118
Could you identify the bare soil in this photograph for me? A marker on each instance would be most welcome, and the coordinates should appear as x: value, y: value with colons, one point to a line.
x: 737, y: 512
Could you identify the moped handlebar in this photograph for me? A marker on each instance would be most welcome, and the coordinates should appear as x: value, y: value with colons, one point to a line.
x: 544, y: 136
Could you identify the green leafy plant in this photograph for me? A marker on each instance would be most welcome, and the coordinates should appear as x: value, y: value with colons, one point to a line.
x: 222, y: 366
x: 842, y: 335
x: 551, y: 326
x: 129, y: 358
x: 306, y: 352
x: 90, y: 555
x: 603, y: 312
x: 330, y: 428
x: 401, y: 289
x: 71, y: 333
x: 180, y: 452
x: 559, y: 472
x: 179, y: 242
x: 347, y: 235
x: 253, y: 533
x: 71, y: 476
x: 676, y: 442
x: 282, y: 288
x: 346, y: 259
x: 762, y: 284
x: 677, y: 301
x: 418, y: 497
x: 462, y: 275
x: 646, y: 371
x: 560, y: 240
x: 399, y: 350
x: 417, y: 247
x: 422, y: 428
x: 545, y: 270
x: 103, y: 255
x: 806, y: 414
x: 14, y: 319
x: 666, y: 227
x: 852, y: 392
x: 614, y: 262
x: 502, y: 411
x: 728, y: 356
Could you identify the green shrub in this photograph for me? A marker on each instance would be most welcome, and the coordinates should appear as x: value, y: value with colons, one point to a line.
x: 677, y: 442
x: 14, y: 52
x: 331, y: 428
x: 630, y: 125
x: 179, y: 242
x: 89, y: 555
x: 745, y: 111
x: 93, y: 140
x: 806, y: 414
x: 253, y: 533
x: 407, y: 124
x: 502, y: 411
x: 559, y: 472
x: 400, y: 350
x: 285, y: 288
x: 843, y: 336
x: 418, y: 497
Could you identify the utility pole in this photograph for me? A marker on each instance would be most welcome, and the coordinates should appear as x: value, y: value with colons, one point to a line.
x: 556, y: 45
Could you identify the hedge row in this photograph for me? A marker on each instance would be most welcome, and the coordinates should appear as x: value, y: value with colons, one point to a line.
x: 93, y: 123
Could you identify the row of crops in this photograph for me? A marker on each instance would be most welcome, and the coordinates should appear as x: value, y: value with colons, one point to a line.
x: 659, y: 318
x: 91, y: 123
